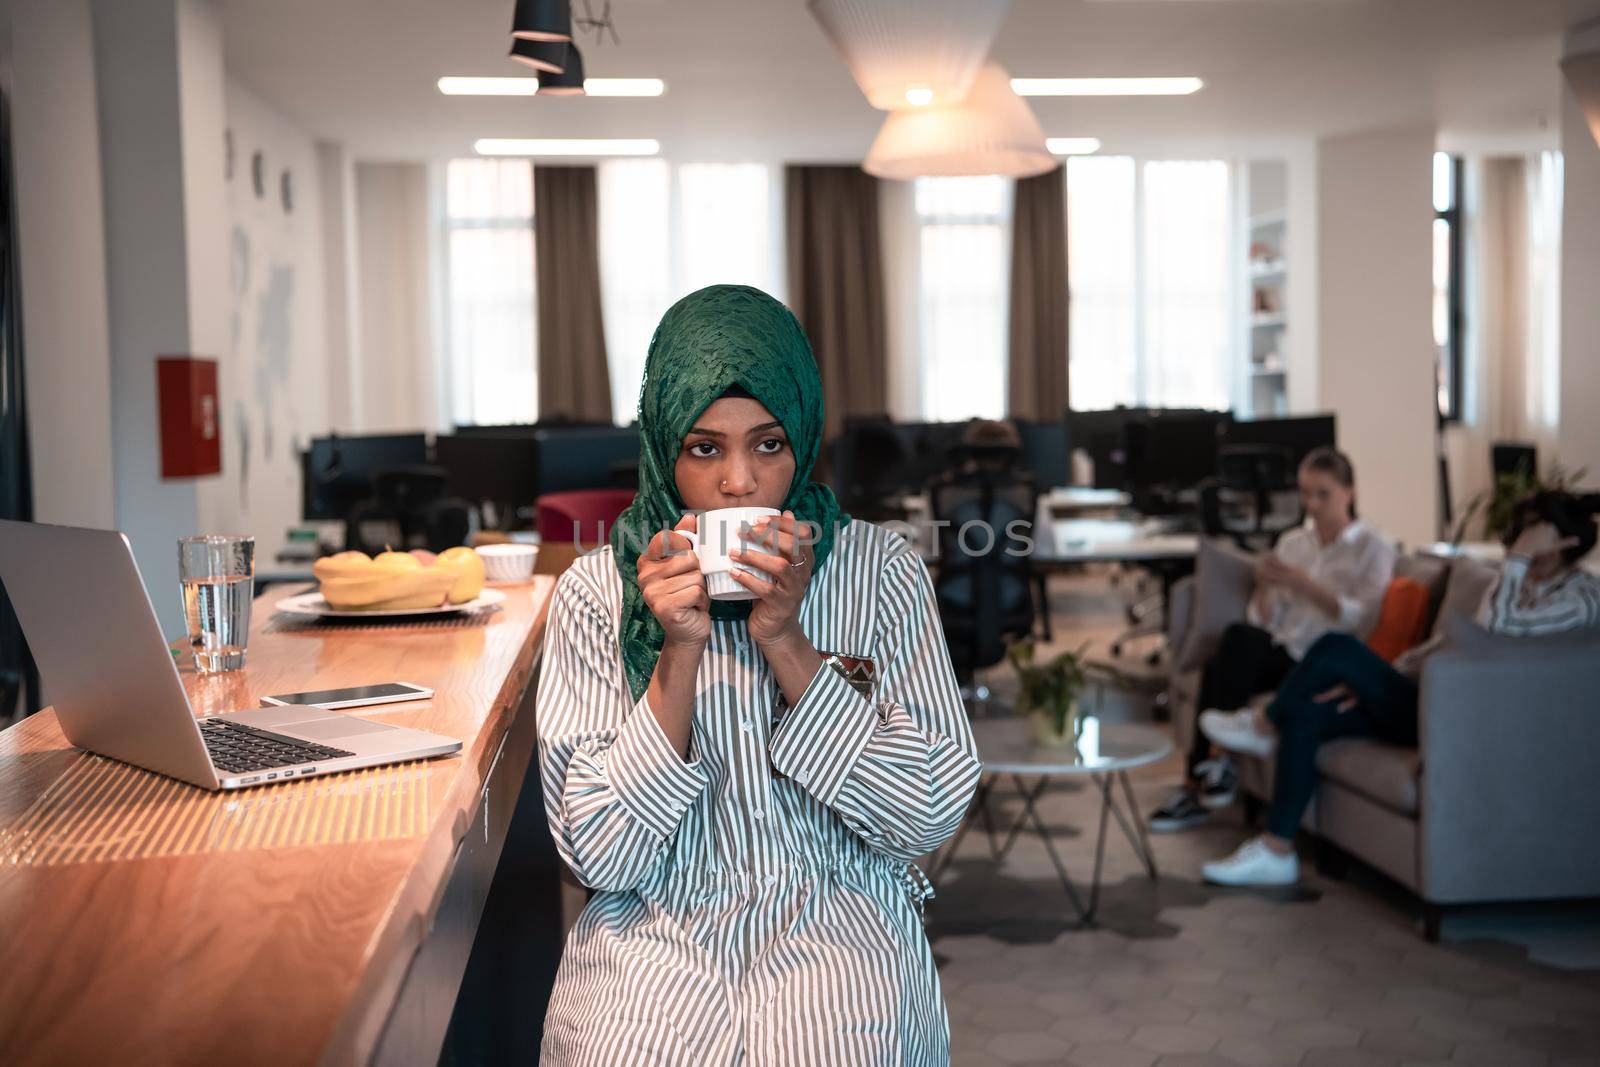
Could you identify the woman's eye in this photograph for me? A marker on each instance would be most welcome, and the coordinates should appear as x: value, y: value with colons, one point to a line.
x: 703, y: 449
x: 770, y: 446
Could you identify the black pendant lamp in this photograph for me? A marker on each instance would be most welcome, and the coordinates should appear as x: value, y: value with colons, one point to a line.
x: 542, y: 20
x: 567, y: 83
x: 546, y: 57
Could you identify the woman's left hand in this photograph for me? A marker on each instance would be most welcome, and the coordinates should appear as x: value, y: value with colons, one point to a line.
x: 775, y: 615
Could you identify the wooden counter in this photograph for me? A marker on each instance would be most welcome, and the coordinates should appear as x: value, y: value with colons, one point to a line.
x: 143, y: 920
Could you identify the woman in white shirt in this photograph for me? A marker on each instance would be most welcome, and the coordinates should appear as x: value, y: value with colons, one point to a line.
x: 1327, y: 575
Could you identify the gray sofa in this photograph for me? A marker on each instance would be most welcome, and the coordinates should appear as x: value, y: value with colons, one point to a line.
x: 1495, y: 803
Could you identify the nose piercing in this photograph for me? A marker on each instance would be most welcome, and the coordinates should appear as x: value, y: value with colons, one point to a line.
x: 723, y: 485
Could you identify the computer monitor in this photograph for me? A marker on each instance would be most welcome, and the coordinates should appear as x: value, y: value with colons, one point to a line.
x: 583, y: 457
x: 1045, y: 451
x: 1099, y: 434
x: 480, y: 467
x: 1300, y: 435
x: 1173, y: 449
x: 1513, y: 458
x: 337, y: 472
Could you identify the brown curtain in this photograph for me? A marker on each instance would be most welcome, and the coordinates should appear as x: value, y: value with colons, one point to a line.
x: 573, y: 379
x: 1038, y: 366
x: 836, y: 284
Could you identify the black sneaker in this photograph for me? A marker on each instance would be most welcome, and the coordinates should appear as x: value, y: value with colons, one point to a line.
x: 1180, y: 812
x: 1219, y: 782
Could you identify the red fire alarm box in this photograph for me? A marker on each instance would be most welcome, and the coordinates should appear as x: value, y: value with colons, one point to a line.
x: 191, y: 423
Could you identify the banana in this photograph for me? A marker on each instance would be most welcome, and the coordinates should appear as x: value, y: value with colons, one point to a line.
x: 353, y: 582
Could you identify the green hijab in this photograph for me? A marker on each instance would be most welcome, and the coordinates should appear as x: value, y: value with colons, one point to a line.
x: 720, y: 336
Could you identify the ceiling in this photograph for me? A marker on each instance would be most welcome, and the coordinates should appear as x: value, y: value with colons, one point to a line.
x: 755, y: 79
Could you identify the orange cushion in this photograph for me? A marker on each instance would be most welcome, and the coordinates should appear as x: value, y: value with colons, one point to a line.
x: 1403, y: 619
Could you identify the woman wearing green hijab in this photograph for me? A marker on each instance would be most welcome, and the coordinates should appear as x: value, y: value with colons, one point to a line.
x: 745, y: 783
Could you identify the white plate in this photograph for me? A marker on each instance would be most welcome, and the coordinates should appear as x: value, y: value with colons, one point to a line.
x: 313, y: 604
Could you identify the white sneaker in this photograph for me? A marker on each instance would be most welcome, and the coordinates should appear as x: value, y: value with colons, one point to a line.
x: 1253, y: 863
x: 1236, y: 731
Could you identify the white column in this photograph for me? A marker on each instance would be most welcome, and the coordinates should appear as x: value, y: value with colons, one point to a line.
x: 1578, y: 435
x: 61, y: 231
x: 1375, y: 352
x: 336, y: 172
x: 161, y: 98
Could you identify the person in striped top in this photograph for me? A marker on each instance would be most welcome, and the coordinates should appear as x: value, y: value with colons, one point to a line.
x: 1344, y: 689
x: 745, y: 790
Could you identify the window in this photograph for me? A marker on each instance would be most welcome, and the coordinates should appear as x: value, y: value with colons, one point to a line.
x: 1148, y: 243
x: 724, y: 226
x: 1447, y: 284
x: 1542, y: 375
x: 663, y: 232
x: 489, y: 298
x: 635, y: 280
x: 666, y: 234
x: 963, y: 247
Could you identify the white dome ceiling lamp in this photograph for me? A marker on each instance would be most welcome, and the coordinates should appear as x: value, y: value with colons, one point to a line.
x: 992, y: 131
x: 911, y: 52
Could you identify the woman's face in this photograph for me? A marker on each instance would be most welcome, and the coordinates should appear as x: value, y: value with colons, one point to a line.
x: 735, y: 456
x: 1327, y: 503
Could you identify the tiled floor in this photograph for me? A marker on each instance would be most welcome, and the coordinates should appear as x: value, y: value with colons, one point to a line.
x: 1177, y: 973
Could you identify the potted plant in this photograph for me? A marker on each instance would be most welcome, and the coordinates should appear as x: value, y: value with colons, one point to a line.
x: 1496, y: 503
x: 1048, y: 692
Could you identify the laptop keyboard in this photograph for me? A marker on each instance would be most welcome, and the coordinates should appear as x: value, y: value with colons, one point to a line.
x: 236, y: 748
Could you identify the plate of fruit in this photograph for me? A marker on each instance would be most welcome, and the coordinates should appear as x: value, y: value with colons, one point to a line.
x: 356, y: 585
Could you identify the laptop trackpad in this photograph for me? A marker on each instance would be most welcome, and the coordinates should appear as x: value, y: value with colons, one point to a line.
x: 329, y: 729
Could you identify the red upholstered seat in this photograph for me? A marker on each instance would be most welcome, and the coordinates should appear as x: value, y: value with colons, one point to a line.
x: 581, y: 516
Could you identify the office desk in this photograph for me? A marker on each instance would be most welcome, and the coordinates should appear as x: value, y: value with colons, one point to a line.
x: 325, y: 920
x: 1066, y: 500
x: 1073, y: 541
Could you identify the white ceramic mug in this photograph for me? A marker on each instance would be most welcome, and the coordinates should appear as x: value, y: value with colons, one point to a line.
x: 719, y: 531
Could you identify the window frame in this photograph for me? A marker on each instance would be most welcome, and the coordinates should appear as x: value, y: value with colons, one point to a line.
x: 1455, y: 302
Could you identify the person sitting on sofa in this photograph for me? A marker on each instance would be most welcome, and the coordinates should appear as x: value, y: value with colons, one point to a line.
x: 1329, y: 574
x: 1344, y: 689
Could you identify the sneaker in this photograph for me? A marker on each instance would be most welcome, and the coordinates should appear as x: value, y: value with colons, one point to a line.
x: 1253, y: 864
x: 1236, y: 731
x: 1219, y: 782
x: 1180, y: 812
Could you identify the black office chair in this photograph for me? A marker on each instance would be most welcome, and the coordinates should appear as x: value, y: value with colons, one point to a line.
x: 1239, y: 503
x: 413, y: 501
x: 984, y: 592
x: 872, y: 470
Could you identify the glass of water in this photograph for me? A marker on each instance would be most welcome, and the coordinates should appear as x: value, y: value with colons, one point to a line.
x: 218, y: 576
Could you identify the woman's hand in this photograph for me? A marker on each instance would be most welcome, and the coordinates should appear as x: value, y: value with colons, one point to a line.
x: 674, y: 588
x: 1540, y: 539
x: 1271, y: 571
x: 775, y: 615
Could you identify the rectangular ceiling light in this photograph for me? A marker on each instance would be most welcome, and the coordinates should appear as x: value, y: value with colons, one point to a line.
x: 1105, y: 86
x: 624, y: 86
x: 1072, y: 146
x: 569, y: 146
x: 461, y: 86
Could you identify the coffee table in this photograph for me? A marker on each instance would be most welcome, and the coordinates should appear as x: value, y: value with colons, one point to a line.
x: 1104, y: 755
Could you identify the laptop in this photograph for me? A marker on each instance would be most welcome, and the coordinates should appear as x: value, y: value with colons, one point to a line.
x: 88, y: 619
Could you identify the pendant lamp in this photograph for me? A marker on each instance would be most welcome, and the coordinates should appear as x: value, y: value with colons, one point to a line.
x: 911, y: 51
x: 542, y: 20
x: 569, y: 81
x: 993, y: 131
x: 543, y: 56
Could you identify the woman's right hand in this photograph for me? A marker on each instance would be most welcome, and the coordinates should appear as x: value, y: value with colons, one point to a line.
x: 674, y: 588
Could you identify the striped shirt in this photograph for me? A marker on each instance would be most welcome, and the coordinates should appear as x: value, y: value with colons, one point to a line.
x: 755, y: 904
x: 1520, y: 607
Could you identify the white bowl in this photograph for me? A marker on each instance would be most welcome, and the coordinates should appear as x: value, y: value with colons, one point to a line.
x: 509, y: 562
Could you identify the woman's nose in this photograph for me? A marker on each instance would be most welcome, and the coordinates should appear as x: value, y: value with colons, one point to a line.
x: 738, y: 479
